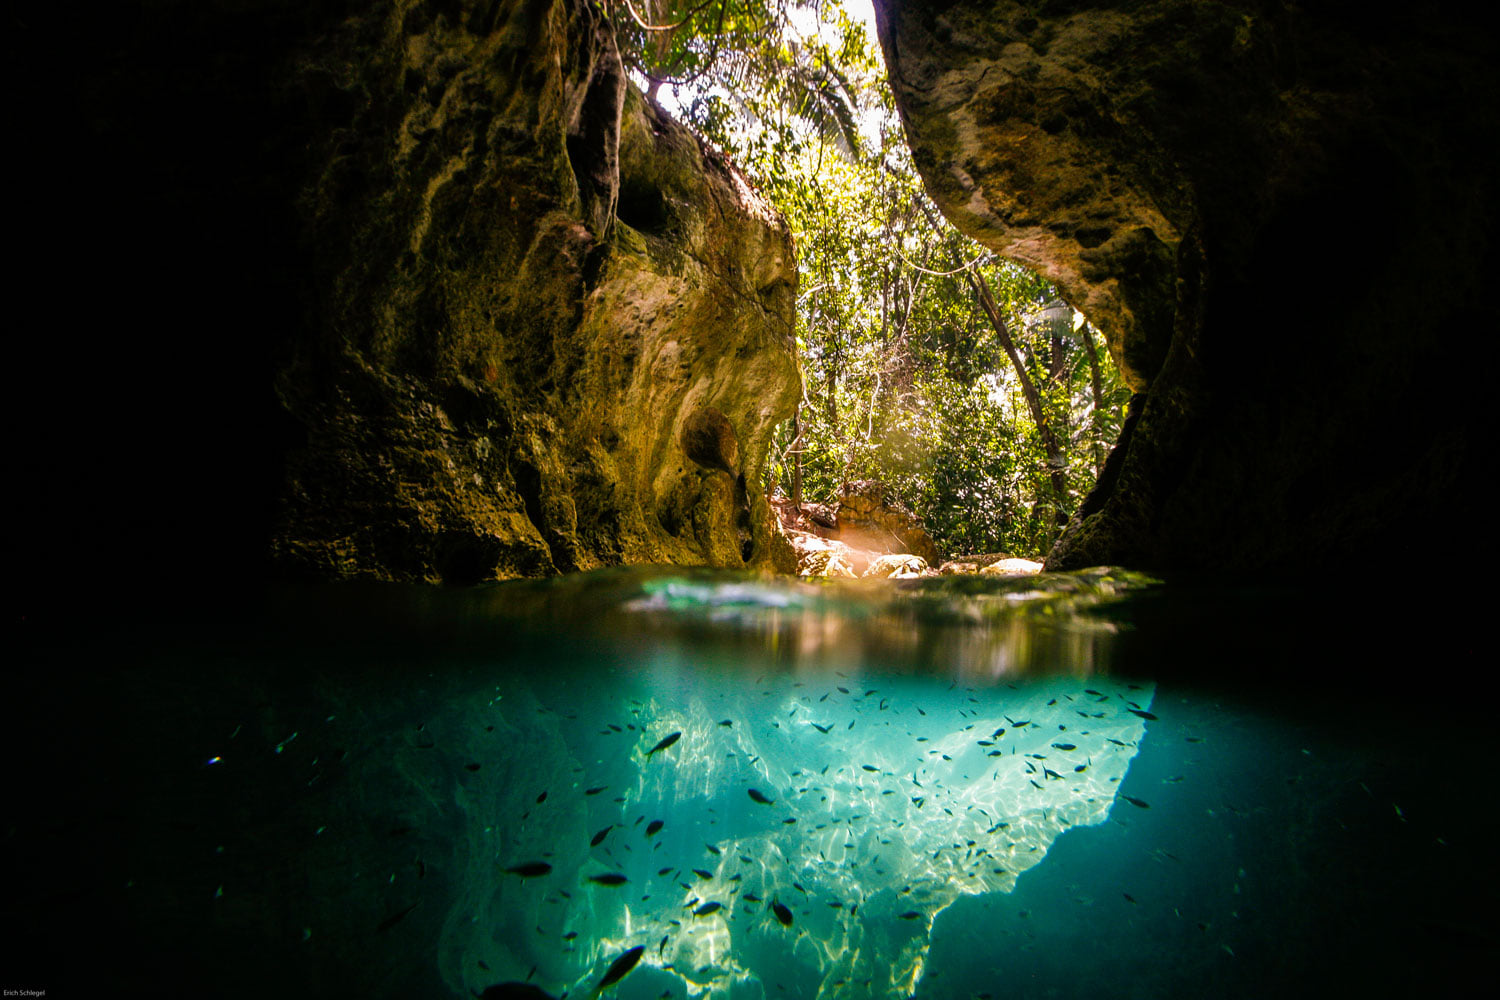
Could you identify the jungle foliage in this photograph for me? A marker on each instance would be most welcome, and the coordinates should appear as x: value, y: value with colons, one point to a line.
x: 954, y: 376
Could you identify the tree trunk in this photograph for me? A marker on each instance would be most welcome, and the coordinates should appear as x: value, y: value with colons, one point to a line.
x: 797, y: 458
x: 1056, y: 464
x: 1098, y: 385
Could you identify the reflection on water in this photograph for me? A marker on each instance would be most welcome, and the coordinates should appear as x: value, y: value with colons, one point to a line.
x: 941, y: 788
x: 976, y: 629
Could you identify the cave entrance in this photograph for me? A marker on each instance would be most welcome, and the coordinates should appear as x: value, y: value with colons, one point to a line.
x: 978, y: 416
x: 939, y: 380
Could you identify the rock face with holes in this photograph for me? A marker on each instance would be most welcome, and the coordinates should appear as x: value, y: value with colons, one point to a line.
x: 550, y: 331
x: 1277, y: 214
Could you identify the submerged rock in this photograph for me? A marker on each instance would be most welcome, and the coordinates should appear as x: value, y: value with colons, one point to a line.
x: 551, y: 330
x: 1275, y: 214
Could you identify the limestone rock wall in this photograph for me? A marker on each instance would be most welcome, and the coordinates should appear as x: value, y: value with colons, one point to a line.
x: 548, y: 331
x: 1277, y: 214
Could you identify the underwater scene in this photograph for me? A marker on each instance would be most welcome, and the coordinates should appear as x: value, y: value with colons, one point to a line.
x: 667, y: 784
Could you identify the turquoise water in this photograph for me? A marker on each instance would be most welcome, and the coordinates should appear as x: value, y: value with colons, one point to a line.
x: 1084, y: 785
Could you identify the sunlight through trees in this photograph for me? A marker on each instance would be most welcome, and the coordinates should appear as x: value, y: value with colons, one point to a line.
x: 957, y: 378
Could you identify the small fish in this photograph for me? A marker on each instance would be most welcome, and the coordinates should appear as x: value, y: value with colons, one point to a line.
x: 1064, y: 746
x: 608, y: 878
x: 530, y: 869
x: 620, y: 968
x: 726, y: 722
x: 599, y: 837
x: 910, y: 915
x: 782, y: 914
x: 703, y: 874
x: 752, y: 897
x: 1143, y: 714
x: 541, y: 798
x: 471, y: 767
x: 1128, y: 897
x: 394, y: 919
x: 570, y: 935
x: 714, y: 850
x: 594, y: 791
x: 1142, y: 803
x: 665, y: 742
x: 821, y: 729
x: 708, y: 908
x: 870, y: 767
x: 654, y: 826
x: 756, y: 796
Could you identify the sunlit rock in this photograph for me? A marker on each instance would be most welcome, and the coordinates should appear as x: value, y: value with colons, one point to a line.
x: 897, y: 567
x: 1012, y: 567
x: 828, y: 562
x: 871, y: 518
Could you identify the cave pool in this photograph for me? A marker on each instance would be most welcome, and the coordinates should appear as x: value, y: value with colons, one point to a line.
x: 1071, y: 785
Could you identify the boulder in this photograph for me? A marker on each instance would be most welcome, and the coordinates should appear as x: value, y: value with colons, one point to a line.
x: 1276, y: 215
x: 900, y: 566
x: 827, y: 563
x: 1012, y: 567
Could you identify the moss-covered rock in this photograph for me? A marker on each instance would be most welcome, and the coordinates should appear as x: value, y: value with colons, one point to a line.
x: 1277, y: 215
x: 550, y: 330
